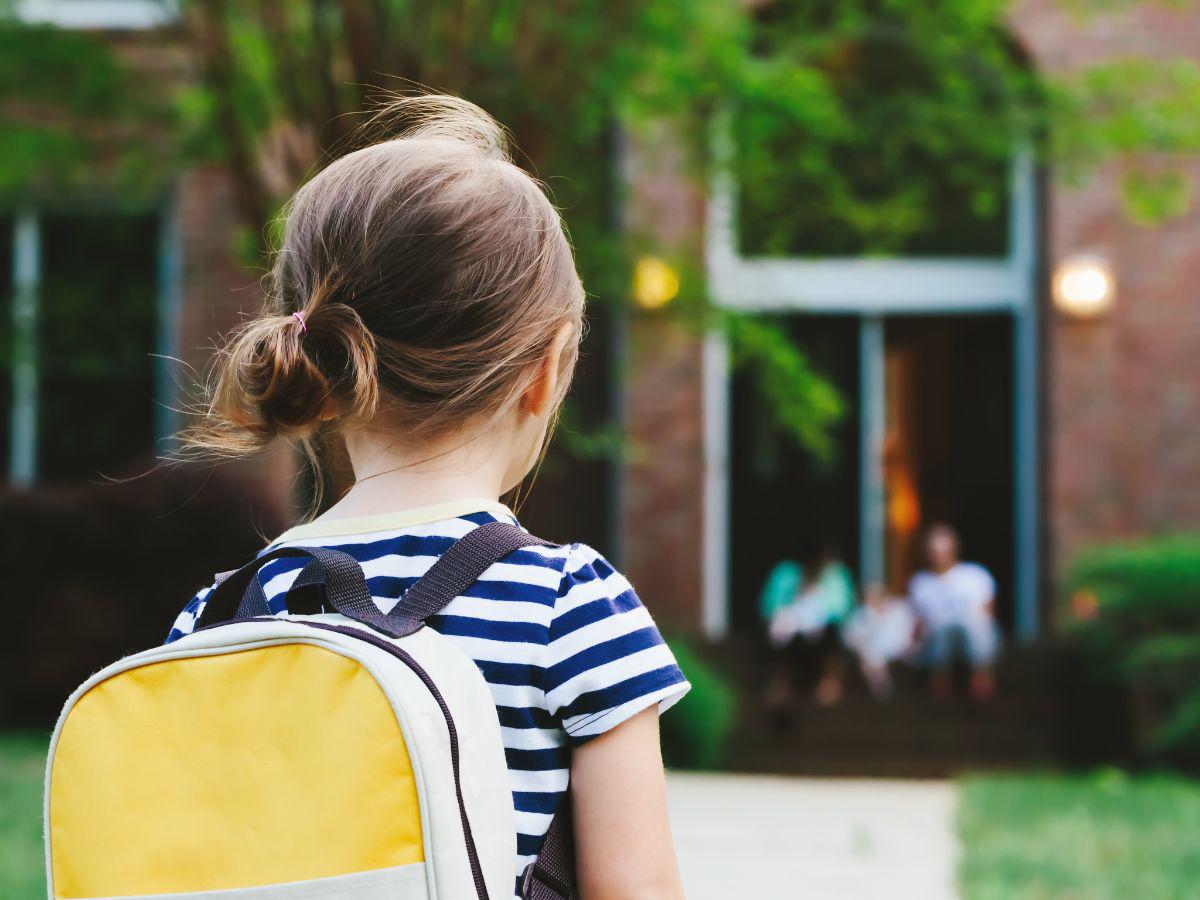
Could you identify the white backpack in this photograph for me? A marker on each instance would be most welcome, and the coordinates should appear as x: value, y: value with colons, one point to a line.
x: 343, y: 754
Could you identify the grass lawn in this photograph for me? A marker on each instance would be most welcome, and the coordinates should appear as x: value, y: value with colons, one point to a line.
x: 1099, y: 836
x: 22, y: 762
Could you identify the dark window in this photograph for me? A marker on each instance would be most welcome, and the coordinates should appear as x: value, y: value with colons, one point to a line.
x: 97, y: 324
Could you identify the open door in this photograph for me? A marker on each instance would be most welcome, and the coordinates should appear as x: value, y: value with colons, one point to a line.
x: 948, y: 451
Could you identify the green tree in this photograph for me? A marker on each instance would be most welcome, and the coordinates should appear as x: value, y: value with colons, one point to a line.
x: 75, y: 118
x: 859, y: 126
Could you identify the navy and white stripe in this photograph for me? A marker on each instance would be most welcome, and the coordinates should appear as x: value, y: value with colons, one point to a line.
x: 564, y: 643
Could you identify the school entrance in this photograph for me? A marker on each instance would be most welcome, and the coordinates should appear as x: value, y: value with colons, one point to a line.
x: 947, y: 454
x: 937, y: 360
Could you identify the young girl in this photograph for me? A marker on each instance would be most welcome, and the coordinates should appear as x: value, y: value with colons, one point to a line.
x: 424, y: 323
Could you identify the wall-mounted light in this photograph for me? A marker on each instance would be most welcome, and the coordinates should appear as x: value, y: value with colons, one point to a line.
x: 1084, y: 286
x: 655, y: 283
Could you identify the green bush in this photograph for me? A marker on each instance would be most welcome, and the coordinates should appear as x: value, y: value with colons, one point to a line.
x: 1141, y: 629
x: 696, y: 731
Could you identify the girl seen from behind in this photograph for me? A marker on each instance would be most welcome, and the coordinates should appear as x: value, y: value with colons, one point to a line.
x: 423, y: 324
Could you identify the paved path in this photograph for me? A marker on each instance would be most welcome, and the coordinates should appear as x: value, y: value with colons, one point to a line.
x: 747, y: 836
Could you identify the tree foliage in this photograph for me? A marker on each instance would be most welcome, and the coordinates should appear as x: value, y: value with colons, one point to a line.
x: 75, y: 119
x: 860, y: 126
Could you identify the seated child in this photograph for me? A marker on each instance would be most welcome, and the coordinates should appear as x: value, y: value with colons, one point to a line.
x: 880, y: 632
x: 807, y: 629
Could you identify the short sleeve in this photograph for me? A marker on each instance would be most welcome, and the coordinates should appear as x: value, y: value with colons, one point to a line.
x: 606, y: 660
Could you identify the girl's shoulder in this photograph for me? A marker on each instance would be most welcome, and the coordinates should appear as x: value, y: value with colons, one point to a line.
x: 576, y: 580
x: 573, y: 580
x: 587, y: 578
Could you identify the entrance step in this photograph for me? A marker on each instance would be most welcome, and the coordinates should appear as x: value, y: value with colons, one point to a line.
x: 912, y: 735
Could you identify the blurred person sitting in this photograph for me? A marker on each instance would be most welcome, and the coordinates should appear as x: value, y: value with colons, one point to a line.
x: 879, y: 632
x: 782, y: 584
x: 806, y: 631
x: 955, y: 605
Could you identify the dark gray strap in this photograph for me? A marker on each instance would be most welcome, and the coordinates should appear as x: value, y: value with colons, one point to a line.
x: 456, y: 570
x: 339, y: 574
x: 552, y: 875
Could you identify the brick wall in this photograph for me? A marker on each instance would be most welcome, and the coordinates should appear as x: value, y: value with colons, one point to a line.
x: 1123, y: 401
x: 661, y: 514
x: 662, y: 511
x: 218, y: 289
x: 1123, y: 393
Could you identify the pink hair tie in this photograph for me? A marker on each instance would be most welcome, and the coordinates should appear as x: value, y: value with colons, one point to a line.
x: 299, y: 317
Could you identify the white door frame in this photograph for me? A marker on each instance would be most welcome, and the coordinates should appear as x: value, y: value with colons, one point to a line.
x: 872, y: 288
x: 26, y: 278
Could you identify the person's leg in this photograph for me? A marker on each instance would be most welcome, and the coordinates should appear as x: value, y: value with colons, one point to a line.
x: 982, y: 643
x: 779, y: 690
x: 828, y: 691
x: 937, y: 655
x: 877, y: 675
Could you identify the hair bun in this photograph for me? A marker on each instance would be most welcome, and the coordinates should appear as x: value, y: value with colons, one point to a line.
x: 270, y: 386
x: 281, y: 372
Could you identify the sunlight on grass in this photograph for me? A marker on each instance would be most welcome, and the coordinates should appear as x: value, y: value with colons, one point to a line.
x: 22, y: 758
x: 1092, y: 837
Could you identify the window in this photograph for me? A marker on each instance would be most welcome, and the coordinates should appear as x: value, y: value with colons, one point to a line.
x: 83, y: 401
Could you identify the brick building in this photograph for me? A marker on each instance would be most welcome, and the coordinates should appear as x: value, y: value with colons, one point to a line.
x: 971, y: 398
x: 1099, y: 418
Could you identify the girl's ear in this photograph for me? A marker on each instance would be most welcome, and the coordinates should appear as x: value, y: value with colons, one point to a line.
x: 544, y: 388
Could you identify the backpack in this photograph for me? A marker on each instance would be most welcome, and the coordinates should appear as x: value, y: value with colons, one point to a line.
x: 341, y: 754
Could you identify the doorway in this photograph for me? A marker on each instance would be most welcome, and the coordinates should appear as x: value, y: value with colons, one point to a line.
x: 785, y: 503
x: 947, y: 454
x: 948, y: 446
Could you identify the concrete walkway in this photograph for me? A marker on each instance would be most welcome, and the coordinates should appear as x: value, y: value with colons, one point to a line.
x: 748, y: 836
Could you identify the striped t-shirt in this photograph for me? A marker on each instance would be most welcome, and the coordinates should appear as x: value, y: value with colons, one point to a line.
x: 564, y: 643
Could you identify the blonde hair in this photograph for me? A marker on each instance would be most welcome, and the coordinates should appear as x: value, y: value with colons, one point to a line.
x: 422, y: 278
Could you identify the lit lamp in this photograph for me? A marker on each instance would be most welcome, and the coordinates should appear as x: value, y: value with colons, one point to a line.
x: 655, y: 284
x: 1084, y: 286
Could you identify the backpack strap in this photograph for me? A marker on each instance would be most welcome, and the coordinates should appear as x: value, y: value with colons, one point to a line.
x: 456, y: 570
x: 239, y: 595
x: 552, y: 875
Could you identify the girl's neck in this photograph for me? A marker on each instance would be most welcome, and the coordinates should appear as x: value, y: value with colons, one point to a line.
x: 390, y: 477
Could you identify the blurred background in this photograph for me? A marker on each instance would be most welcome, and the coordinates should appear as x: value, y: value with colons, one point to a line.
x: 889, y: 406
